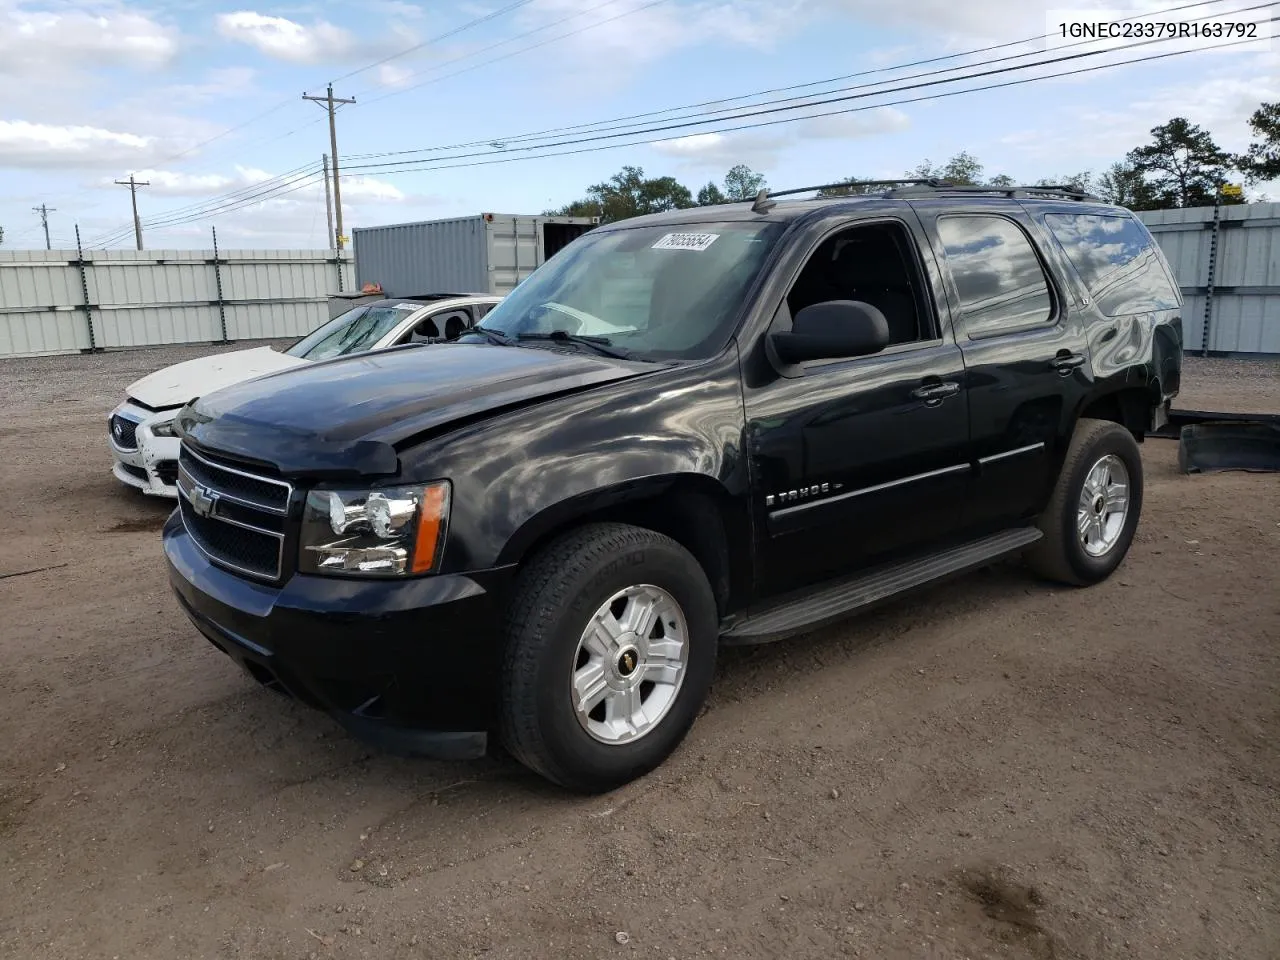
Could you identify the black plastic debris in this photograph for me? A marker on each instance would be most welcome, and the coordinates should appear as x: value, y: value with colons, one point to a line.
x: 1230, y: 445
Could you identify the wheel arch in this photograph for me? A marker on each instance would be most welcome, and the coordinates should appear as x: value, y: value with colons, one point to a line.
x: 695, y: 510
x: 1129, y: 403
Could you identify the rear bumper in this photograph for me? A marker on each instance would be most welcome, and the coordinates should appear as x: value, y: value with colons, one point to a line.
x: 409, y: 666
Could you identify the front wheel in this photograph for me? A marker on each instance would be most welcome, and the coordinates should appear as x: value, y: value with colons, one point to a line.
x: 1093, y: 514
x: 611, y: 645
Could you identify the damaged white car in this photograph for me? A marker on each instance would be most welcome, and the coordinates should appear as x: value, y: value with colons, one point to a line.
x: 140, y: 430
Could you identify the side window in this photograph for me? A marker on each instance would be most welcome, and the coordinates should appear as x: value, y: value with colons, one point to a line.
x: 1118, y: 261
x: 998, y: 277
x: 453, y: 323
x: 421, y: 332
x: 874, y: 264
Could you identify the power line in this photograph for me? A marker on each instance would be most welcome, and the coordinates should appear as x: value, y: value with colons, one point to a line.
x: 444, y: 36
x: 423, y: 166
x: 369, y: 66
x: 602, y: 125
x: 284, y: 103
x: 111, y: 238
x: 516, y: 53
x: 298, y: 183
x: 211, y: 201
x: 436, y: 164
x: 772, y: 108
x: 212, y: 209
x: 420, y: 166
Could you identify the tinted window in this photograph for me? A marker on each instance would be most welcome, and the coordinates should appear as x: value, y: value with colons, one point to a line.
x: 1117, y: 260
x: 872, y: 264
x: 997, y: 275
x: 669, y: 292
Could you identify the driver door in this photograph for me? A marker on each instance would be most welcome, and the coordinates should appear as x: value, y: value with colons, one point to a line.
x: 855, y: 461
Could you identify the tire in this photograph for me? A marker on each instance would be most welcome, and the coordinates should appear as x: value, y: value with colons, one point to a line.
x: 549, y: 660
x: 1067, y: 555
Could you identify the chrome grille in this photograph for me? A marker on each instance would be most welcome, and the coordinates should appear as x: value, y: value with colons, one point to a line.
x: 124, y: 432
x: 236, y: 518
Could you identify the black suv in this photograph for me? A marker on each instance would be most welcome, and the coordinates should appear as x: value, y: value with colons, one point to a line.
x: 719, y: 425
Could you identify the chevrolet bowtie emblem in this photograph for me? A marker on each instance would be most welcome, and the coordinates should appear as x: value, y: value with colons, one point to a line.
x: 203, y: 501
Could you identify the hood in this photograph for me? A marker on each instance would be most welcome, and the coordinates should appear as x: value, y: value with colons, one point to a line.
x: 345, y: 417
x: 173, y: 386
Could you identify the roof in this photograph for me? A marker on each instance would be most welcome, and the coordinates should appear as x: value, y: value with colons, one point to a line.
x: 425, y: 298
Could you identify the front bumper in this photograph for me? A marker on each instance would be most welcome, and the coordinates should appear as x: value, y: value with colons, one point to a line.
x: 410, y: 666
x: 151, y: 465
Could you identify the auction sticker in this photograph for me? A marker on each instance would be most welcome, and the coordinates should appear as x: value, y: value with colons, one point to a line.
x: 687, y: 241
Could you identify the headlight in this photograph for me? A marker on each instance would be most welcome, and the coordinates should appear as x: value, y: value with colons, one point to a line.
x: 392, y: 531
x: 162, y: 429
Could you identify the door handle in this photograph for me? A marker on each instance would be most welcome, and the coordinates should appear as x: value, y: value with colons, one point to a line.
x: 934, y: 393
x: 1067, y: 362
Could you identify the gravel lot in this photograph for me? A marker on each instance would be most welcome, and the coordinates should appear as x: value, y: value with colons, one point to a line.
x: 996, y: 768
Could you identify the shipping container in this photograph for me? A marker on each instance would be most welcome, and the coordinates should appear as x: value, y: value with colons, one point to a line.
x: 489, y: 253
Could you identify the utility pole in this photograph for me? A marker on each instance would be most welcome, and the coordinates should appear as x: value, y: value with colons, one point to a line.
x: 133, y: 186
x: 330, y: 102
x: 44, y: 212
x: 328, y: 200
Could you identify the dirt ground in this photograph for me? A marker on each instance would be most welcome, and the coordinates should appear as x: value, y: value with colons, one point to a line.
x: 996, y: 768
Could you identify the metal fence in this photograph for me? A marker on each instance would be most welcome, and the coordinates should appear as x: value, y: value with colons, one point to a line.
x: 62, y: 301
x: 1227, y: 262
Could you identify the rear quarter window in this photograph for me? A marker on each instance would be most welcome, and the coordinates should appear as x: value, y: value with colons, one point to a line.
x: 1117, y: 260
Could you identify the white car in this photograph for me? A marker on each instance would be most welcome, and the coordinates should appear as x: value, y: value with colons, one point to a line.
x: 140, y: 430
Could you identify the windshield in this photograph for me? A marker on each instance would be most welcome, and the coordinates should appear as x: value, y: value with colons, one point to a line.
x: 353, y: 331
x: 668, y: 292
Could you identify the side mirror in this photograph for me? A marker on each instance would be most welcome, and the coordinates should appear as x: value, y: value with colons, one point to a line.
x: 831, y: 330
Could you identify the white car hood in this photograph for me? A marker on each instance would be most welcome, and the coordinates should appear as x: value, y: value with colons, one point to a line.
x: 183, y: 382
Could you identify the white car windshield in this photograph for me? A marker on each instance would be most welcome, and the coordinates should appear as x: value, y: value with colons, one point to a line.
x: 352, y: 332
x: 669, y: 292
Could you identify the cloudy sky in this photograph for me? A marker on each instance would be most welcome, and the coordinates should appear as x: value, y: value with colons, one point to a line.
x: 204, y: 101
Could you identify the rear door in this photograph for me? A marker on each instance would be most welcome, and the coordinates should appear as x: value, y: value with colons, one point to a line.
x: 1026, y: 354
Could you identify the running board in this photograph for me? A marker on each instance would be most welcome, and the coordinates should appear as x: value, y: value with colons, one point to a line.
x: 800, y: 612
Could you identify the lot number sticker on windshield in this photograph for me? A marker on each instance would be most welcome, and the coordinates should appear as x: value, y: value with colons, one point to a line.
x: 686, y: 241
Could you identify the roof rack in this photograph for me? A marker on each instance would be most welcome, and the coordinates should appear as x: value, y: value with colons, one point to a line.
x: 765, y: 199
x: 1065, y: 191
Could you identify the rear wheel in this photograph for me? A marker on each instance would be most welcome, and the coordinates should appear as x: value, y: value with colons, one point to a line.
x: 611, y: 644
x: 1093, y: 514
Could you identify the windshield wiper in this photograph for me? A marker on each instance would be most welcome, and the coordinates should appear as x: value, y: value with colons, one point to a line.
x: 493, y: 336
x: 601, y: 345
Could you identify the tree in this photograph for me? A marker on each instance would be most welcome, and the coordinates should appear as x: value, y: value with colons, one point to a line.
x: 849, y: 187
x: 629, y: 193
x: 1001, y: 180
x: 963, y: 169
x: 743, y: 183
x: 711, y: 194
x: 1082, y: 181
x: 1182, y: 164
x: 1125, y: 184
x: 579, y: 208
x: 1262, y: 161
x: 1, y: 236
